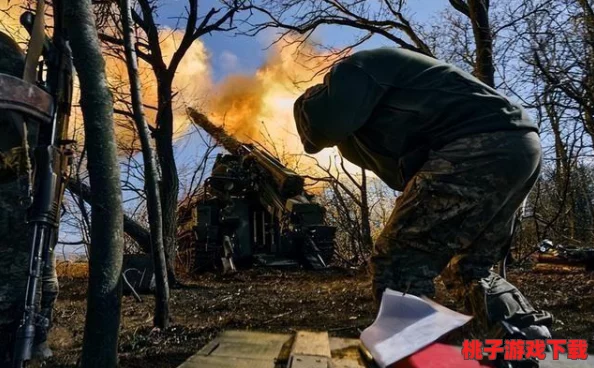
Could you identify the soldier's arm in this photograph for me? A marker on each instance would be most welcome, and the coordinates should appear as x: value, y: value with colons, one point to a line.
x: 330, y: 112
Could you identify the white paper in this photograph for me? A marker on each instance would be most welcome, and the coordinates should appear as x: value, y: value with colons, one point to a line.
x: 405, y: 324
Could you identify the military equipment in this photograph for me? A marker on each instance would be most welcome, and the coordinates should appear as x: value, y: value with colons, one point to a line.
x: 560, y: 254
x: 138, y: 275
x: 43, y: 96
x: 253, y: 209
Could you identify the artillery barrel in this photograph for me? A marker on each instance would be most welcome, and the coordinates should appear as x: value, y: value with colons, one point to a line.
x: 288, y: 182
x: 229, y: 143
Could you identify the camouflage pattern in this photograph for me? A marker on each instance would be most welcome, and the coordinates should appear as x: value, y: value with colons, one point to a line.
x: 14, y: 260
x: 456, y: 215
x: 15, y: 233
x: 12, y: 62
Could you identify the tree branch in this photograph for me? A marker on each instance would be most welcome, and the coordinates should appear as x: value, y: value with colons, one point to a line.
x: 461, y: 6
x: 131, y: 227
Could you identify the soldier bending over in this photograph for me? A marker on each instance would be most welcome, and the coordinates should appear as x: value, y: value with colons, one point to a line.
x: 464, y: 157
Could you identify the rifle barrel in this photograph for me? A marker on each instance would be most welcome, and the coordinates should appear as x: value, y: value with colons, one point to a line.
x: 25, y: 334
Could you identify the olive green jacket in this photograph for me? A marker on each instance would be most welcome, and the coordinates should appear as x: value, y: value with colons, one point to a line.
x: 386, y: 108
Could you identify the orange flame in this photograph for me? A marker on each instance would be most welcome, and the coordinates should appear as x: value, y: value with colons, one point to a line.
x: 10, y: 12
x: 191, y: 81
x: 259, y: 107
x: 256, y: 108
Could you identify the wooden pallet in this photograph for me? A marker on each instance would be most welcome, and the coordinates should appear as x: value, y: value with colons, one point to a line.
x: 305, y: 349
x: 246, y: 349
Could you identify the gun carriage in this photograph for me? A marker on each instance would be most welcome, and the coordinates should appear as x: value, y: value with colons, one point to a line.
x: 253, y: 209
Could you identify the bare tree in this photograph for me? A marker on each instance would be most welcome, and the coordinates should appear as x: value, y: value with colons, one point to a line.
x: 349, y: 209
x: 100, y: 342
x: 148, y: 48
x: 558, y: 50
x: 564, y: 53
x: 132, y: 228
x: 478, y: 13
x: 151, y: 176
x: 384, y: 18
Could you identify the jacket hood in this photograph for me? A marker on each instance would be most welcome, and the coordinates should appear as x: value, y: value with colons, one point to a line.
x: 304, y: 127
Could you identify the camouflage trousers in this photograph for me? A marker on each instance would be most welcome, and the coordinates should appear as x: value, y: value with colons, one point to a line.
x: 15, y: 249
x: 456, y: 215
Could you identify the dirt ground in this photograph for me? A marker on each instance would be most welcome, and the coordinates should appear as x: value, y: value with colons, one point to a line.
x: 335, y: 300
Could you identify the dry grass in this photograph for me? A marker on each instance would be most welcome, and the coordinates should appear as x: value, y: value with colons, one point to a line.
x: 72, y: 270
x: 282, y: 301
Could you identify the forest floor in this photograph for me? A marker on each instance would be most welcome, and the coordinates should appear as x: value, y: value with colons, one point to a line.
x: 335, y: 300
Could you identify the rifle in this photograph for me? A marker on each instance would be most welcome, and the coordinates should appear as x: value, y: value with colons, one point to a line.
x: 51, y: 156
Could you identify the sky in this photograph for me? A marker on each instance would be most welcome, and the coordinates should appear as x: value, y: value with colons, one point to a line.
x: 231, y: 54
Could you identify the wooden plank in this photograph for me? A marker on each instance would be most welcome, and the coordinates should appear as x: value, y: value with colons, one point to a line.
x: 201, y: 361
x: 310, y: 350
x: 311, y: 343
x: 239, y: 349
x: 235, y: 335
x: 340, y: 343
x: 246, y: 344
x: 346, y: 353
x: 308, y: 361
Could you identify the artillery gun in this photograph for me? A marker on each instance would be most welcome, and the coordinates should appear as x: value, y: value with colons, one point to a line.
x: 253, y: 209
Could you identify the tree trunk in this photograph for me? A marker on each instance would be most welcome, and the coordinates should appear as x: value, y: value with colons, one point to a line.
x: 478, y: 13
x: 150, y: 173
x: 131, y: 227
x: 562, y: 164
x: 100, y: 341
x: 365, y: 215
x: 588, y: 60
x: 169, y: 178
x: 479, y: 17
